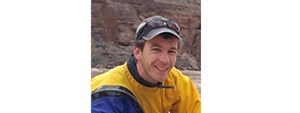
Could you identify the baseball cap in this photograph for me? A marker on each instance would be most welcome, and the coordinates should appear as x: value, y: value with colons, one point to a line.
x: 156, y: 25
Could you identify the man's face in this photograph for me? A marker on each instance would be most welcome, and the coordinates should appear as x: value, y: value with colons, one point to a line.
x: 157, y: 58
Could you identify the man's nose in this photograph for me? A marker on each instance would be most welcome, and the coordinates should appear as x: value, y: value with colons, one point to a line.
x: 164, y: 58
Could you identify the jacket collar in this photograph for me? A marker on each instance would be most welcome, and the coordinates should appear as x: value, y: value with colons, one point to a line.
x: 131, y: 65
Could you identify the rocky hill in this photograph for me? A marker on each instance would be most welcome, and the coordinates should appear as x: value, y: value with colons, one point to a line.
x: 114, y: 23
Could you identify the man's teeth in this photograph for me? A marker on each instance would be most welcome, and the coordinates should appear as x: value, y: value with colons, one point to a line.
x: 161, y: 68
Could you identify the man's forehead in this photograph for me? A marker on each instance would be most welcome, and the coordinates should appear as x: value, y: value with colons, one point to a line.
x: 161, y: 42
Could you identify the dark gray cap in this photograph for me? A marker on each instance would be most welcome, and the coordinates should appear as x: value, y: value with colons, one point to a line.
x: 156, y: 31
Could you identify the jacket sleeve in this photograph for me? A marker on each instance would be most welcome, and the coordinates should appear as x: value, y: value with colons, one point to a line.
x: 112, y: 104
x: 188, y: 99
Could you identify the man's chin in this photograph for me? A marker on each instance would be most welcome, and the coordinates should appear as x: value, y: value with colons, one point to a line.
x: 161, y: 78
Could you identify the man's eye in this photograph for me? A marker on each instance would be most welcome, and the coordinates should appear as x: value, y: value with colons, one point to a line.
x: 173, y: 52
x: 155, y: 49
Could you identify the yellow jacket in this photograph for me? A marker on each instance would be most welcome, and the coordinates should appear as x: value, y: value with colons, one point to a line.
x: 184, y: 98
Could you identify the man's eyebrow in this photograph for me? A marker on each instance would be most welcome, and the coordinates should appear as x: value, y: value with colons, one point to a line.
x: 174, y: 48
x: 157, y: 45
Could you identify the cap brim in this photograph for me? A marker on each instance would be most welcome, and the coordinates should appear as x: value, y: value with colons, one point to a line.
x: 156, y: 32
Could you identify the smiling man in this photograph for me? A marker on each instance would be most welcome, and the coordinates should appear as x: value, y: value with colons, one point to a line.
x: 157, y: 58
x: 148, y: 82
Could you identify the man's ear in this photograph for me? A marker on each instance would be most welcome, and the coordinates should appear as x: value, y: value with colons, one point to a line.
x: 137, y: 53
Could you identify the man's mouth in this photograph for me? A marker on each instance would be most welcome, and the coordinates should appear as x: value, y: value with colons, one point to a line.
x: 161, y: 68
